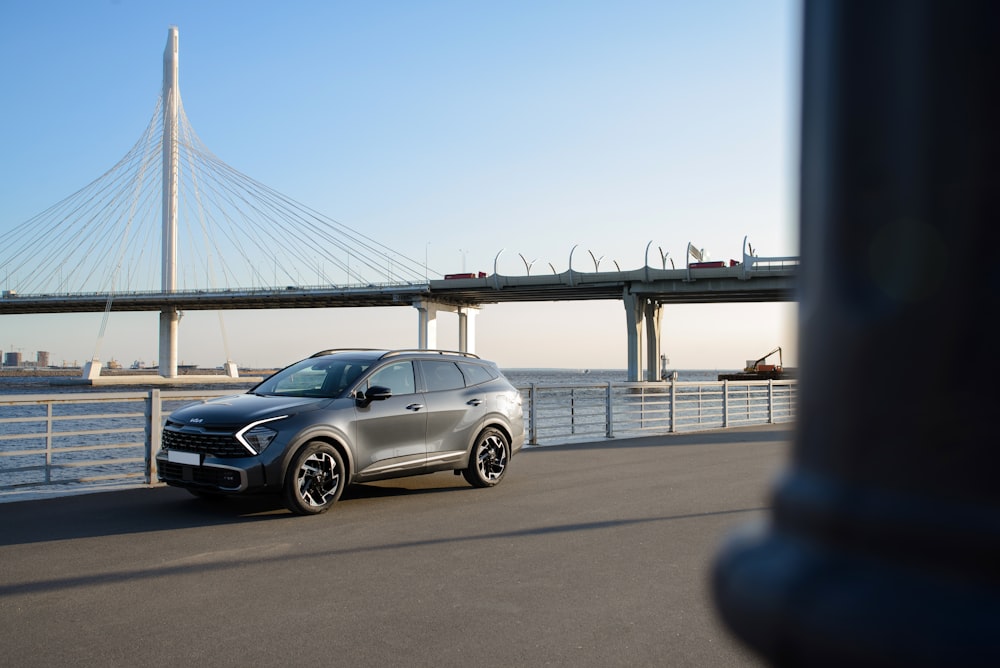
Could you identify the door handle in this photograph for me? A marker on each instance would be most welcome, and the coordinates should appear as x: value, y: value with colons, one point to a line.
x: 474, y: 402
x: 414, y: 407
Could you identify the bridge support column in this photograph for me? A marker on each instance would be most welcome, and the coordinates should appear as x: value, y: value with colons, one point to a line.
x: 427, y: 324
x: 168, y: 343
x: 653, y: 317
x: 634, y: 314
x: 467, y: 329
x: 642, y: 315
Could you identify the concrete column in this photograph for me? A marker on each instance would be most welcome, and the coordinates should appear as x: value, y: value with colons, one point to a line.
x: 652, y: 316
x: 171, y: 106
x: 883, y: 545
x: 634, y: 310
x: 168, y: 343
x: 467, y: 329
x: 426, y: 324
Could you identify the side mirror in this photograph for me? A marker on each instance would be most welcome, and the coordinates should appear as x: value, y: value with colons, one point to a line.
x: 374, y: 393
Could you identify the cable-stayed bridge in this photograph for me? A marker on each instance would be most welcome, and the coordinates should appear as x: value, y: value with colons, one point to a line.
x: 117, y: 245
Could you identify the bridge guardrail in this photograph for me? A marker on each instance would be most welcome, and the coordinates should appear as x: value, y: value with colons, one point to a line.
x: 565, y: 413
x: 69, y: 442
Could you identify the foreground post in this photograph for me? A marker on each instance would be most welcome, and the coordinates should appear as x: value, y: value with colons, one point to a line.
x: 884, y: 544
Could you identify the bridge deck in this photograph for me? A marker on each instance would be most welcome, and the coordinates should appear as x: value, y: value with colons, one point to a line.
x: 587, y: 555
x: 722, y: 285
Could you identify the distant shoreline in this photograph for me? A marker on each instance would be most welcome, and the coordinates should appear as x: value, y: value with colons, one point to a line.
x: 72, y: 372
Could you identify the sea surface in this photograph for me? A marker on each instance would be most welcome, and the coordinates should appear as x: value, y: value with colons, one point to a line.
x: 518, y: 377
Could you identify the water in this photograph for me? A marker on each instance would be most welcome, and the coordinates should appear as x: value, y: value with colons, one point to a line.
x: 519, y: 377
x: 525, y: 377
x: 59, y: 385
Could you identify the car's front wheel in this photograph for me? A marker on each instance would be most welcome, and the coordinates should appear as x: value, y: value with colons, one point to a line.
x: 489, y: 458
x: 315, y: 479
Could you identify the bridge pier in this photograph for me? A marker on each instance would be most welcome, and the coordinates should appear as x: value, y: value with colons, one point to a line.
x: 467, y: 329
x: 168, y: 342
x: 427, y: 311
x: 642, y: 315
x: 426, y: 324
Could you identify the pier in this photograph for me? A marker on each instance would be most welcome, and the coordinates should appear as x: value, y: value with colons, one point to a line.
x: 587, y: 555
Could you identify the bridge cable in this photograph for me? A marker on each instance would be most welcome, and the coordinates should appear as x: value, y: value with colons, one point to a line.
x: 206, y: 233
x: 134, y: 200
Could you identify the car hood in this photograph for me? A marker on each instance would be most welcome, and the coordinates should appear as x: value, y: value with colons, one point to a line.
x: 240, y: 409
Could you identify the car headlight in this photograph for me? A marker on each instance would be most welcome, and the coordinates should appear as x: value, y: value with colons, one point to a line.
x: 255, y: 437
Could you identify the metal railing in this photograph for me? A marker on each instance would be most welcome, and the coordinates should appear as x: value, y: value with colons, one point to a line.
x: 84, y: 440
x: 566, y: 413
x: 70, y: 441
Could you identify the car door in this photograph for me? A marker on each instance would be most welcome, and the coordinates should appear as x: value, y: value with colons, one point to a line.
x: 390, y: 433
x: 454, y: 412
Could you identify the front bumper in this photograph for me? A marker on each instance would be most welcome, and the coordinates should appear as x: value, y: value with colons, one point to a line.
x: 210, y: 473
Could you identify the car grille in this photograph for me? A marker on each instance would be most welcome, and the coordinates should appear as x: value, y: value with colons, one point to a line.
x: 207, y: 476
x: 217, y: 445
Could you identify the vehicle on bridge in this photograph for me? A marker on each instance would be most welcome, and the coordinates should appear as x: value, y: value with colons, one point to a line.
x: 470, y: 274
x: 343, y: 417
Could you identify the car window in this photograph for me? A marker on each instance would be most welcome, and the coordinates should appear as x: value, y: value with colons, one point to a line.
x: 340, y: 377
x: 398, y: 377
x: 313, y: 378
x: 475, y: 373
x: 304, y: 382
x: 442, y: 376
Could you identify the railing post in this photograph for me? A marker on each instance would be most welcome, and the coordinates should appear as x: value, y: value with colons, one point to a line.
x: 154, y: 419
x: 572, y: 411
x: 642, y: 407
x: 48, y: 442
x: 770, y: 401
x: 673, y: 406
x: 610, y: 411
x: 725, y: 404
x: 532, y: 416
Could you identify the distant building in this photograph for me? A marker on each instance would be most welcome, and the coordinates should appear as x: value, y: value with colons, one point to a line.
x: 12, y: 359
x: 43, y: 359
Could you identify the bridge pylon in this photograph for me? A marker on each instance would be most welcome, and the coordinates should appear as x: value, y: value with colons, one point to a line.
x: 169, y: 318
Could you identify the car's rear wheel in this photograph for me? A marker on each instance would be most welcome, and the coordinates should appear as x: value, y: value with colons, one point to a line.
x: 489, y: 458
x: 315, y: 479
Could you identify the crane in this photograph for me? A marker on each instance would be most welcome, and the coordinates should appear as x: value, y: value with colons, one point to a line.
x: 753, y: 366
x: 757, y: 370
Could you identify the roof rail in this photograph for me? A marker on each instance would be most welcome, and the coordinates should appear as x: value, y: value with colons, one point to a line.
x: 410, y: 351
x: 345, y: 350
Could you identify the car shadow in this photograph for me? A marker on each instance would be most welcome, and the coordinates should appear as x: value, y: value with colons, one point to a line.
x: 161, y: 508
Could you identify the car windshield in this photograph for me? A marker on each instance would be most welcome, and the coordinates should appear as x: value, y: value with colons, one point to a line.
x: 314, y: 377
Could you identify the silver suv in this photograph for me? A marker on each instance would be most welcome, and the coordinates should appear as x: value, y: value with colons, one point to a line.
x: 346, y: 416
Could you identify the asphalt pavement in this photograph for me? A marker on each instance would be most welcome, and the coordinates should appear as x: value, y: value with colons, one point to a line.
x: 585, y: 555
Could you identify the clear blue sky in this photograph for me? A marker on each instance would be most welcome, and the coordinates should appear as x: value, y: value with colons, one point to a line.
x: 454, y: 129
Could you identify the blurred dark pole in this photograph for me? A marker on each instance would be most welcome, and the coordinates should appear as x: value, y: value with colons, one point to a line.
x: 883, y: 547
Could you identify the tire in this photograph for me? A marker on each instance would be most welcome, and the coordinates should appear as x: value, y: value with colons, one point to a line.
x: 489, y: 459
x: 314, y: 480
